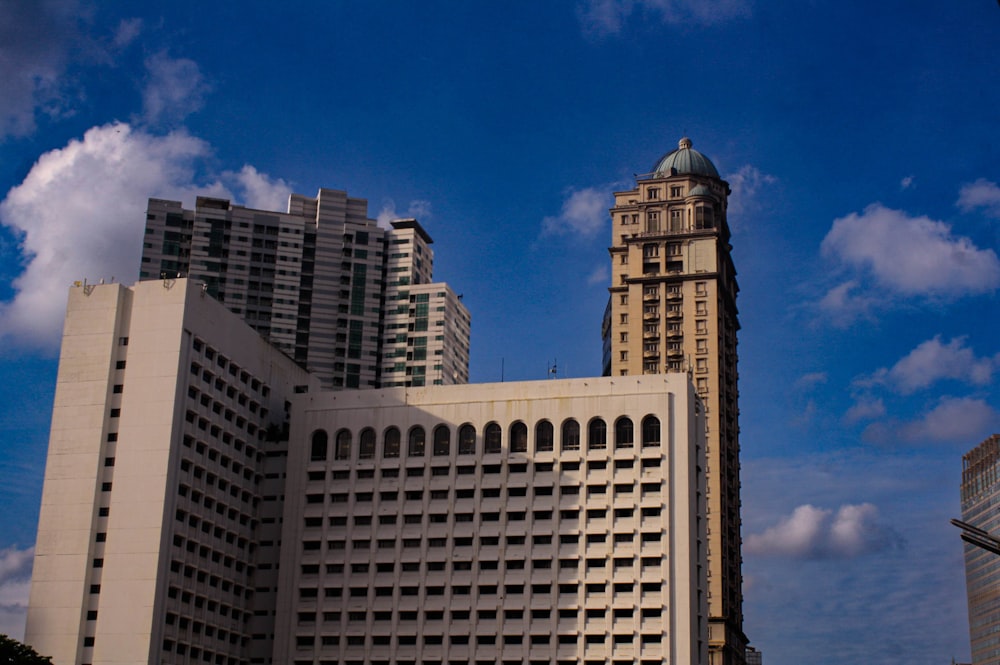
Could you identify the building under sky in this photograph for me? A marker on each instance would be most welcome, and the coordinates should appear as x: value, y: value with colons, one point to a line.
x: 673, y: 309
x: 205, y: 502
x: 980, y: 497
x: 351, y: 301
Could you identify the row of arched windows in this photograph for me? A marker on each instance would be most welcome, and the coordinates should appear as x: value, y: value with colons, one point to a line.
x: 492, y: 439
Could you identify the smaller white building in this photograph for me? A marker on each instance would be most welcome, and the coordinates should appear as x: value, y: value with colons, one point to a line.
x: 537, y: 522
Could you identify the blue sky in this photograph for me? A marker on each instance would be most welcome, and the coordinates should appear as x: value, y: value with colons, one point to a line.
x: 861, y: 141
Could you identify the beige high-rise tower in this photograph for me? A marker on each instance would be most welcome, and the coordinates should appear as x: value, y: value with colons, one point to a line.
x: 673, y: 309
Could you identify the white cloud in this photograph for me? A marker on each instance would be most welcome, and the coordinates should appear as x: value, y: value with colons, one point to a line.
x: 80, y: 211
x: 906, y: 182
x: 933, y: 361
x: 128, y: 30
x: 819, y: 533
x: 865, y: 407
x: 600, y: 275
x: 912, y: 256
x: 810, y: 380
x: 35, y: 39
x: 174, y: 89
x: 15, y: 584
x: 584, y: 213
x: 418, y: 209
x: 607, y: 17
x: 952, y: 420
x: 747, y: 184
x: 980, y: 194
x: 846, y: 303
x: 260, y: 190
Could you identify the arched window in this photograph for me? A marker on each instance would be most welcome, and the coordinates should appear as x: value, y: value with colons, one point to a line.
x: 704, y: 217
x: 623, y: 433
x: 597, y: 434
x: 491, y: 438
x: 519, y: 437
x: 390, y: 442
x: 442, y: 440
x: 570, y: 435
x: 650, y: 431
x: 467, y: 440
x: 343, y: 448
x: 366, y: 444
x: 543, y: 437
x: 320, y: 443
x: 416, y: 442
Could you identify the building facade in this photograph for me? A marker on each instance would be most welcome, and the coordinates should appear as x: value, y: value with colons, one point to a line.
x: 541, y: 522
x: 981, y: 508
x: 673, y: 309
x: 317, y: 281
x: 161, y: 508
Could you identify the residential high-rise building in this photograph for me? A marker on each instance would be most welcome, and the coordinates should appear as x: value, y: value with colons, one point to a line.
x: 673, y: 309
x: 536, y: 522
x: 161, y: 511
x: 980, y: 498
x: 318, y: 281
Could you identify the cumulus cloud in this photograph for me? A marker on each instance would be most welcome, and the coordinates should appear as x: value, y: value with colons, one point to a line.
x: 865, y: 407
x: 418, y: 209
x: 747, y: 184
x: 260, y: 190
x: 35, y: 40
x: 15, y: 583
x: 584, y: 213
x: 846, y: 303
x: 128, y: 30
x: 608, y: 17
x: 951, y: 420
x: 933, y: 361
x: 911, y: 256
x: 906, y: 182
x: 810, y: 380
x: 80, y: 211
x: 819, y: 533
x: 982, y: 194
x: 175, y: 88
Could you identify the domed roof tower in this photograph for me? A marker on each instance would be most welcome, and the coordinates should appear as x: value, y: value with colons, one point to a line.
x: 685, y: 160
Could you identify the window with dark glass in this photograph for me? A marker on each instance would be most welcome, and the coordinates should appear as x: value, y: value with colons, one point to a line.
x: 467, y: 440
x: 519, y: 438
x: 390, y: 442
x: 623, y: 433
x: 597, y: 434
x: 366, y: 444
x: 342, y: 449
x: 442, y: 440
x: 416, y: 442
x: 571, y: 435
x: 319, y: 446
x: 491, y: 438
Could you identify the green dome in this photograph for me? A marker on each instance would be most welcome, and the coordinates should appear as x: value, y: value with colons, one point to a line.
x: 685, y: 160
x: 701, y: 190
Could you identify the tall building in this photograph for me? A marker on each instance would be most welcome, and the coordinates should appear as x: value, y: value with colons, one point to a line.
x: 673, y: 308
x: 555, y: 522
x: 161, y: 510
x: 204, y: 502
x: 318, y: 282
x: 980, y: 499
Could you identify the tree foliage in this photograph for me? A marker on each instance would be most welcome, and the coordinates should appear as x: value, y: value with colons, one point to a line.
x: 13, y: 652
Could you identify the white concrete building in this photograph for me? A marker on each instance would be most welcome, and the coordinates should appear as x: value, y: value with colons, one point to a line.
x: 540, y: 522
x: 162, y: 499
